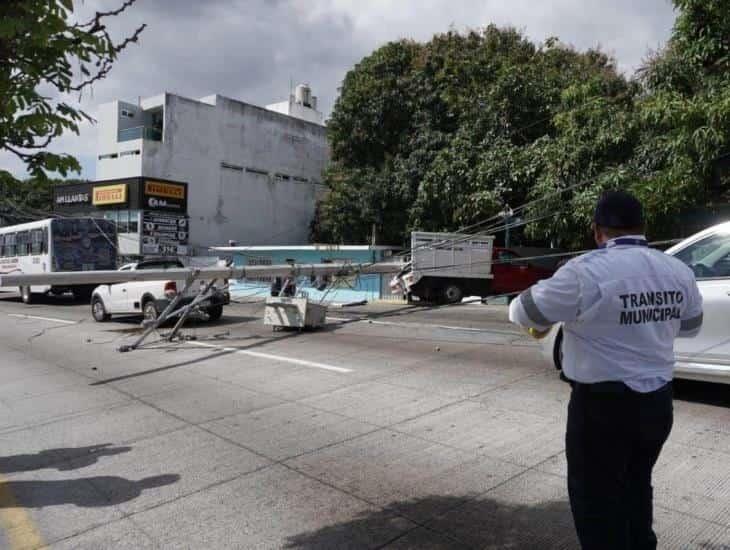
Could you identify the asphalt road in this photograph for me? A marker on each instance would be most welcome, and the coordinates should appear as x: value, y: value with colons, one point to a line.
x: 394, y: 427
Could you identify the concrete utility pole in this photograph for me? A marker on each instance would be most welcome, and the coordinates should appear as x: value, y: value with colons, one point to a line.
x: 229, y: 272
x: 507, y: 215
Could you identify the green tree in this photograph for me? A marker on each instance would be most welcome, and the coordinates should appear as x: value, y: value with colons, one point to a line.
x: 27, y: 200
x: 685, y: 115
x: 440, y: 135
x: 45, y: 56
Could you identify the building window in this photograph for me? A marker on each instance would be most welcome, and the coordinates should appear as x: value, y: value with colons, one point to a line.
x: 129, y: 153
x: 232, y: 166
x: 128, y: 114
x: 283, y: 177
x: 300, y: 179
x: 134, y: 221
x: 258, y: 171
x: 108, y: 156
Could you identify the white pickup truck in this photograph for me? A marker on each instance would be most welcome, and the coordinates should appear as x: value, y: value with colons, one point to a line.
x: 150, y: 298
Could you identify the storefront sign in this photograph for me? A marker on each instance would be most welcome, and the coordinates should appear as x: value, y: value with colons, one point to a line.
x: 160, y: 195
x: 162, y: 189
x: 110, y: 194
x: 72, y: 198
x: 164, y: 234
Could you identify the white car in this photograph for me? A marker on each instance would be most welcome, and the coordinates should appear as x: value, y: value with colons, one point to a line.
x: 706, y: 356
x: 150, y: 298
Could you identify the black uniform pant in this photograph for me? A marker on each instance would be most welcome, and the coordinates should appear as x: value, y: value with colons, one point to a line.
x: 613, y: 440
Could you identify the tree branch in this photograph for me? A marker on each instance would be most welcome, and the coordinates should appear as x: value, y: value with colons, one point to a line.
x: 95, y: 22
x: 106, y: 63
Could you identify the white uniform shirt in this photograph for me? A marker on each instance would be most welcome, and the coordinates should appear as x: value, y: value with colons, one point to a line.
x: 622, y: 307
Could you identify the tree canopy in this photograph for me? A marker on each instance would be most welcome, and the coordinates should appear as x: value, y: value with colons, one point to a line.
x: 44, y: 57
x: 440, y: 135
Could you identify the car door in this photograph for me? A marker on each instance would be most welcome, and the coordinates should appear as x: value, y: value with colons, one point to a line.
x: 709, y: 258
x: 119, y: 294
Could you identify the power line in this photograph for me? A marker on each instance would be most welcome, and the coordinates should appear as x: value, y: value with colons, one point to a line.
x: 525, y: 259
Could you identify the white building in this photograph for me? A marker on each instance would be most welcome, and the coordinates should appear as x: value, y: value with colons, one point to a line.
x: 253, y: 174
x: 301, y: 104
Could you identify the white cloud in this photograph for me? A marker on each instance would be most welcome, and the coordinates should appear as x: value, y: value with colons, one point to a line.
x: 250, y: 49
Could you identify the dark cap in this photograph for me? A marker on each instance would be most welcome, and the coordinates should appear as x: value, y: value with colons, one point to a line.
x: 619, y: 210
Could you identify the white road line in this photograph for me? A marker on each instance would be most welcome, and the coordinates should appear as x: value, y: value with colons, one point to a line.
x: 425, y: 325
x: 282, y: 358
x: 52, y: 319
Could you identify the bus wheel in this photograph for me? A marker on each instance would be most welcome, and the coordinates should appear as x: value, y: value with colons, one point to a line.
x: 98, y: 311
x: 26, y: 295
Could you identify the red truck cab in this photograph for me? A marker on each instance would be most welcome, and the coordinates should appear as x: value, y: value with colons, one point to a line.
x: 513, y: 274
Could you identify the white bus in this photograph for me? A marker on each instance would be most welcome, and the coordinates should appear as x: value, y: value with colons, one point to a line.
x: 68, y: 244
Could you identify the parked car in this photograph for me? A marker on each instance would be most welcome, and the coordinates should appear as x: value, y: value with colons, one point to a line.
x: 512, y: 274
x: 707, y: 355
x: 150, y: 298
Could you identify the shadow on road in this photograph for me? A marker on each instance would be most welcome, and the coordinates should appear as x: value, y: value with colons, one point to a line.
x: 85, y: 492
x: 134, y: 322
x: 62, y: 459
x: 44, y: 299
x: 483, y: 523
x: 261, y: 341
x: 702, y: 392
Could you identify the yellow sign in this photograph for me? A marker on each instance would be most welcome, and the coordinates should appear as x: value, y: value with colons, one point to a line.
x: 110, y: 194
x: 160, y: 189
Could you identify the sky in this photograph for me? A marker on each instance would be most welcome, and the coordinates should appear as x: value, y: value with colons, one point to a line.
x: 252, y: 49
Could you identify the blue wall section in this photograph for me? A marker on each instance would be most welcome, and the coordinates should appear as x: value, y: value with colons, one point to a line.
x: 352, y: 289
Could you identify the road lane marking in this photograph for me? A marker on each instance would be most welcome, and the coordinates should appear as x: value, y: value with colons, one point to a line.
x: 282, y: 358
x: 20, y: 530
x: 52, y: 319
x: 425, y: 325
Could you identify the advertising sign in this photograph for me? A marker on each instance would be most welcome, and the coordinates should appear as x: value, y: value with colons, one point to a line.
x: 164, y: 234
x: 83, y: 197
x: 163, y: 189
x: 160, y: 195
x: 74, y: 197
x: 109, y: 194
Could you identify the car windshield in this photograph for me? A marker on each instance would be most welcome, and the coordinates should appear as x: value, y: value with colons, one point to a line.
x: 708, y: 257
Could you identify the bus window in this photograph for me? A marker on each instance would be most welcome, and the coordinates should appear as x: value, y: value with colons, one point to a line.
x: 9, y: 245
x: 22, y: 244
x: 83, y: 244
x: 39, y: 241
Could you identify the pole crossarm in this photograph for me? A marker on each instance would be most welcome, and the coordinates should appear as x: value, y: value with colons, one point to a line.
x: 235, y: 272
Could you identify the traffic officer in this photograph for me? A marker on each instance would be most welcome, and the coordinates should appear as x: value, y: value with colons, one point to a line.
x: 622, y: 307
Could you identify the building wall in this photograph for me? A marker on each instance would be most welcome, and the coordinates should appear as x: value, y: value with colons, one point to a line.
x: 128, y: 160
x: 253, y: 175
x: 352, y: 289
x: 297, y: 110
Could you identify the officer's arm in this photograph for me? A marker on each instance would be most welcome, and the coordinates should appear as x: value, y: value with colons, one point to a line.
x: 691, y: 321
x: 549, y: 301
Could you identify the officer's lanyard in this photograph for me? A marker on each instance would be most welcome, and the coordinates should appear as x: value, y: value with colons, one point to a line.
x: 630, y: 241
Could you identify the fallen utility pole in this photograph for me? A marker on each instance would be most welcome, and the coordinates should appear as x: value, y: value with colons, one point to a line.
x: 189, y: 276
x: 233, y: 272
